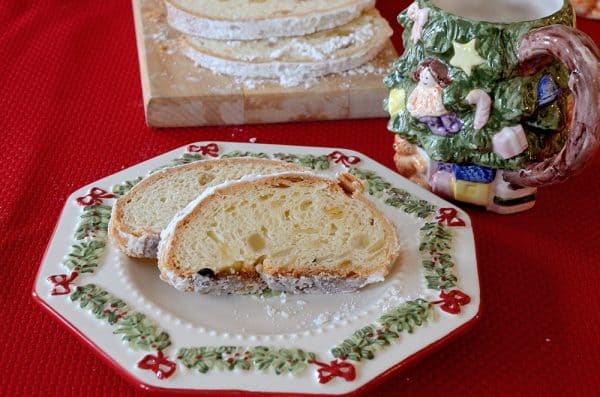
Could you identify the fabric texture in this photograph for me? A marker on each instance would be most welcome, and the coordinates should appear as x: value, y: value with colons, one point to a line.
x: 71, y: 113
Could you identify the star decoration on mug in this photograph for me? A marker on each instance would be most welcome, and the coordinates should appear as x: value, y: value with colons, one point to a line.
x: 396, y: 101
x: 466, y: 56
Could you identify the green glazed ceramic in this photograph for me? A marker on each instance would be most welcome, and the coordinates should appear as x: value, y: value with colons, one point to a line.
x: 491, y: 100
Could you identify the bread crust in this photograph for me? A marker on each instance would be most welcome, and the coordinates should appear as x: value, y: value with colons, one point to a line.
x: 143, y: 243
x: 317, y: 280
x: 196, y: 24
x: 230, y: 284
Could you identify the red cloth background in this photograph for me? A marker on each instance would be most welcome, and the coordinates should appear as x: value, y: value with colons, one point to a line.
x: 71, y: 112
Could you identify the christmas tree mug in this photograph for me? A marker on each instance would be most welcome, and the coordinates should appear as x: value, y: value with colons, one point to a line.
x: 491, y: 100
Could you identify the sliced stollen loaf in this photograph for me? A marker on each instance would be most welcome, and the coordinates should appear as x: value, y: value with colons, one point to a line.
x: 293, y: 232
x: 139, y: 216
x: 330, y: 51
x: 259, y: 19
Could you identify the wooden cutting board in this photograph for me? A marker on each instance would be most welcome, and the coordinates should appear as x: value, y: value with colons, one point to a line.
x: 177, y: 93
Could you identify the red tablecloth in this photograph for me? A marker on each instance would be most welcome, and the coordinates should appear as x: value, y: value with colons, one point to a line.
x: 71, y: 112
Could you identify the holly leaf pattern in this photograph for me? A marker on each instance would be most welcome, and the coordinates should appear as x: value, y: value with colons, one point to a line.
x: 408, y: 203
x: 375, y: 184
x: 136, y: 329
x: 364, y: 343
x: 84, y: 256
x: 263, y: 358
x: 406, y: 317
x: 207, y: 358
x: 141, y: 333
x: 435, y: 238
x: 307, y: 160
x: 91, y: 298
x: 436, y: 242
x: 187, y: 158
x: 238, y: 153
x: 280, y: 360
x: 123, y: 188
x: 93, y: 222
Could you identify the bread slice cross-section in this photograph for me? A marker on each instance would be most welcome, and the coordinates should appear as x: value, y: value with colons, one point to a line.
x: 260, y: 19
x: 293, y: 232
x: 139, y: 216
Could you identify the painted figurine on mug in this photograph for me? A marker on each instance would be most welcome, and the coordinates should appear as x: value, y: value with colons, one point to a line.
x: 486, y: 112
x: 425, y: 102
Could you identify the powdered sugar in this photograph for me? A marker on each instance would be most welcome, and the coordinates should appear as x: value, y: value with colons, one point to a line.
x: 392, y: 297
x: 320, y: 51
x: 143, y: 246
x: 252, y: 29
x: 166, y: 43
x: 285, y: 307
x: 282, y: 307
x: 366, y: 69
x: 300, y: 302
x: 308, y: 74
x: 293, y: 60
x: 321, y: 319
x: 291, y: 81
x: 289, y: 74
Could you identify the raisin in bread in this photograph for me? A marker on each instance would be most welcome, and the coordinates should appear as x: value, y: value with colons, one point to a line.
x: 139, y: 216
x: 293, y: 232
x: 325, y: 52
x: 260, y: 19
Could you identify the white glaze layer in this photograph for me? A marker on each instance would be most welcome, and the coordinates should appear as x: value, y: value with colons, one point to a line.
x: 253, y: 29
x: 288, y: 73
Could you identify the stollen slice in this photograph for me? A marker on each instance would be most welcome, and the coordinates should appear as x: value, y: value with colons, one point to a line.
x: 331, y: 51
x: 139, y: 216
x: 293, y: 232
x: 260, y: 19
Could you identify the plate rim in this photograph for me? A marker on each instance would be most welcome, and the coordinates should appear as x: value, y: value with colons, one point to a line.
x: 140, y: 384
x: 146, y: 387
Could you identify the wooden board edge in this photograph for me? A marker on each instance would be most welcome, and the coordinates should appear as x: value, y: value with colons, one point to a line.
x: 198, y: 111
x: 142, y: 58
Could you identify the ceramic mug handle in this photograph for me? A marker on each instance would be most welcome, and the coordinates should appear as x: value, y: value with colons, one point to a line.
x: 581, y: 57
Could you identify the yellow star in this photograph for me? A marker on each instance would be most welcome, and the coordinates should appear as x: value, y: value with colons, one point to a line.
x: 396, y: 101
x: 466, y: 56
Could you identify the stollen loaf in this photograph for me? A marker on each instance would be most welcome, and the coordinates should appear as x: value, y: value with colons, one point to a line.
x: 293, y: 232
x: 139, y: 216
x: 329, y: 51
x: 260, y: 19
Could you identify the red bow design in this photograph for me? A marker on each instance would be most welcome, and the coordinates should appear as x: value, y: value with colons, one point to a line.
x: 335, y: 368
x: 212, y: 149
x: 62, y: 283
x: 450, y: 217
x: 158, y: 364
x: 339, y: 157
x: 94, y: 197
x: 452, y: 301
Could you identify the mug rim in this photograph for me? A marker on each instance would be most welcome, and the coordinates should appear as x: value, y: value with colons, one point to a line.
x: 565, y: 7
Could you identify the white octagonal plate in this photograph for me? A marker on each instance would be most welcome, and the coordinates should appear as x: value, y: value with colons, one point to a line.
x: 164, y: 340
